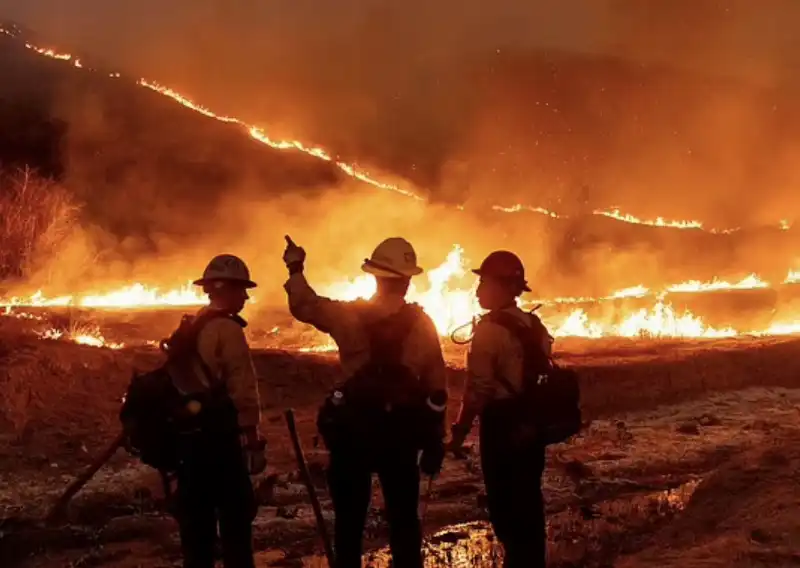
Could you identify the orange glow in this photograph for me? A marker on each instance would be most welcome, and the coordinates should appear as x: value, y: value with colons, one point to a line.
x: 133, y: 296
x: 659, y: 321
x: 793, y: 277
x: 446, y: 292
x: 519, y: 207
x: 354, y: 171
x: 447, y: 306
x: 90, y: 338
x: 658, y: 222
x: 748, y: 283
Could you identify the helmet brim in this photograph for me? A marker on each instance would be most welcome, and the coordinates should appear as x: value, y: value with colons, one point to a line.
x: 377, y: 271
x: 243, y: 283
x: 525, y: 287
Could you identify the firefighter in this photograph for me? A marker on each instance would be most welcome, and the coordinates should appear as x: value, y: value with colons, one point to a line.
x: 217, y: 455
x: 389, y: 406
x: 512, y: 465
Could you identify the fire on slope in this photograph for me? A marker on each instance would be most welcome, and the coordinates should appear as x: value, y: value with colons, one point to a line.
x: 352, y: 170
x: 448, y: 304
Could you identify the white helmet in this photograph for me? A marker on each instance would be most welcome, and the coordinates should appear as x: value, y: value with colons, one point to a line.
x: 226, y: 268
x: 393, y: 258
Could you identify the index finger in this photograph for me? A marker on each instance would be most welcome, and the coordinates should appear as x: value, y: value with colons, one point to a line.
x: 289, y: 241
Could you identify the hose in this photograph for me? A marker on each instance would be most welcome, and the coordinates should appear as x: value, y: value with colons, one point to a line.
x: 473, y: 322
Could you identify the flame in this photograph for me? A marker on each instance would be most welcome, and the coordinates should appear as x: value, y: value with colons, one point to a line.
x: 448, y: 307
x: 328, y: 347
x: 793, y: 277
x: 747, y: 283
x: 632, y: 292
x: 133, y: 296
x: 258, y: 134
x: 520, y: 207
x: 92, y: 338
x: 615, y: 213
x: 781, y: 328
x: 659, y: 321
x: 9, y: 311
x: 352, y: 170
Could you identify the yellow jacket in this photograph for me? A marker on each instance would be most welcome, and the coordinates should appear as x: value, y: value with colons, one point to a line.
x: 422, y: 351
x: 223, y: 347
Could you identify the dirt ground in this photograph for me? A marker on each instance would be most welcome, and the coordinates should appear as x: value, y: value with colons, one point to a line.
x: 689, y: 460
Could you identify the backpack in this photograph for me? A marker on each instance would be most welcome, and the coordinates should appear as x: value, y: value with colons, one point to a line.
x: 154, y: 412
x: 549, y: 402
x: 381, y: 394
x: 384, y: 379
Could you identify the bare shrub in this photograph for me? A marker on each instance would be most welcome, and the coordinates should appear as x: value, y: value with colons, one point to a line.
x: 37, y: 216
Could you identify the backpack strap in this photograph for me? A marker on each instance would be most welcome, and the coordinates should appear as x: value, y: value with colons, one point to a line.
x: 534, y: 359
x: 188, y: 333
x: 388, y: 335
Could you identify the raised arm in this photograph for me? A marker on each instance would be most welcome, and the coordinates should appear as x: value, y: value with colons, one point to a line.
x: 309, y: 307
x: 304, y: 303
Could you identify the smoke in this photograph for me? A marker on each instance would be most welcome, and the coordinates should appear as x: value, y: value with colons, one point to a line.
x: 673, y: 109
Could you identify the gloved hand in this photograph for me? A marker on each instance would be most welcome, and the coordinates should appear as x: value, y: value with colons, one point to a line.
x: 294, y: 256
x: 254, y: 450
x: 430, y: 462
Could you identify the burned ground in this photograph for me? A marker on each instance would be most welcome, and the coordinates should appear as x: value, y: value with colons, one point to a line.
x: 669, y: 421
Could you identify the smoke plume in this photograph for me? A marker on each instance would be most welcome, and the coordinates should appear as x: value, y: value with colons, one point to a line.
x: 677, y: 109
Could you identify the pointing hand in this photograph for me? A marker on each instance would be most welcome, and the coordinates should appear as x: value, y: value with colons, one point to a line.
x: 294, y: 256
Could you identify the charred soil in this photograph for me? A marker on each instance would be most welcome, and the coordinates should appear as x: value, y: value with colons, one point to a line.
x: 664, y: 417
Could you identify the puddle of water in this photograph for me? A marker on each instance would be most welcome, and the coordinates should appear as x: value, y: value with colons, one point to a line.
x: 459, y: 546
x: 473, y: 544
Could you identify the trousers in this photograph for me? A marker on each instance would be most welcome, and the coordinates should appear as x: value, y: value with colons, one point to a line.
x: 513, y: 480
x: 350, y: 485
x: 214, y: 490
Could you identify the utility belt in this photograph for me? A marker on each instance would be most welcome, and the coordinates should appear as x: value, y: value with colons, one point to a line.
x: 349, y: 422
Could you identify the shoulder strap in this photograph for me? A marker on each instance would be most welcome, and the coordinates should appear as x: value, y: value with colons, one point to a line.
x: 388, y: 335
x: 192, y: 336
x: 527, y: 336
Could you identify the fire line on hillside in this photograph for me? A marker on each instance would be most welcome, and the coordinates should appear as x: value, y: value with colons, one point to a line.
x: 448, y: 304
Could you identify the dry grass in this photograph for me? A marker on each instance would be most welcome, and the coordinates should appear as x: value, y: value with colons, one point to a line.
x: 36, y: 217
